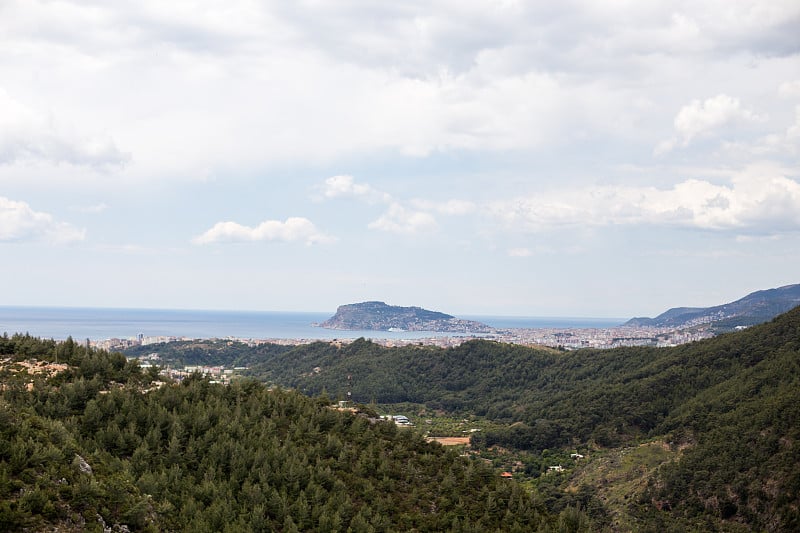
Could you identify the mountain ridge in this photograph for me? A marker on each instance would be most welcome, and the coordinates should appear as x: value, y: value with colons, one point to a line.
x: 755, y: 308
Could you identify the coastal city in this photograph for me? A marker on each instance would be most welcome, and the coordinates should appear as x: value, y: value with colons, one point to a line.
x: 555, y: 338
x: 559, y: 338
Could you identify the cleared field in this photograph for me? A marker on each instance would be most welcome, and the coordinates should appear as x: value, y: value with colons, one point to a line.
x: 450, y: 441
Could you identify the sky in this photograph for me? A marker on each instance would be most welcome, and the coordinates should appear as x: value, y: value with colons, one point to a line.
x: 575, y: 158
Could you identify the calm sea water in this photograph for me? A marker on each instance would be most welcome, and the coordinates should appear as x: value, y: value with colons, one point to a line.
x: 99, y: 324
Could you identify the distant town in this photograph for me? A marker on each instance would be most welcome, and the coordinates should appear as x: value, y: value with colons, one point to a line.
x: 559, y: 338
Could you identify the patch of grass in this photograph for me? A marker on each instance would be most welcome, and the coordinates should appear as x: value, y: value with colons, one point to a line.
x: 619, y: 476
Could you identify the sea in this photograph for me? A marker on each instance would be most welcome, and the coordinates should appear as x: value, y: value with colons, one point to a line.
x: 106, y: 323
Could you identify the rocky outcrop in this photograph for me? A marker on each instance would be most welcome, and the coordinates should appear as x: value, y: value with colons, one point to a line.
x: 378, y: 316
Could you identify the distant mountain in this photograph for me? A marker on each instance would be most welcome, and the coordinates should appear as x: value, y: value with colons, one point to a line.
x: 378, y: 316
x: 755, y: 308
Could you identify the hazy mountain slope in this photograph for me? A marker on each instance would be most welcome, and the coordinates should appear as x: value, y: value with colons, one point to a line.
x: 754, y: 308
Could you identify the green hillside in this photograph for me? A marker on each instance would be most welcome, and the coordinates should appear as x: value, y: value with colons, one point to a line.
x: 731, y: 404
x: 700, y: 437
x: 97, y: 444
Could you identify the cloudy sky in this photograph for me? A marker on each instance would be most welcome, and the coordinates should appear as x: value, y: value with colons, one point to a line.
x: 573, y: 158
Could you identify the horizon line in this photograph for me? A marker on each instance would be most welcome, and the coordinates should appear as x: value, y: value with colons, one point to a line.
x: 218, y: 310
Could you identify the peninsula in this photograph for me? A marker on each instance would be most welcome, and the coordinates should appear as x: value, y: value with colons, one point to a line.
x: 378, y: 316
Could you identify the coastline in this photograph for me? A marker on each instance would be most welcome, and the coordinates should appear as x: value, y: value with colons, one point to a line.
x: 105, y: 323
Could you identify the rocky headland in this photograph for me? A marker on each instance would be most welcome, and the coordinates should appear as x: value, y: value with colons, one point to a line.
x: 378, y: 316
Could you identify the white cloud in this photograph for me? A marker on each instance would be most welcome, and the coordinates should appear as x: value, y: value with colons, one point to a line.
x: 417, y: 78
x: 28, y: 135
x: 344, y: 186
x: 20, y: 223
x: 758, y: 200
x: 418, y: 38
x: 702, y: 118
x: 404, y: 221
x: 470, y: 101
x: 699, y: 118
x: 786, y: 143
x: 470, y: 84
x: 397, y: 219
x: 293, y: 229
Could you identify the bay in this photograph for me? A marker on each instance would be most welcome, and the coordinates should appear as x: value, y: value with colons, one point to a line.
x: 105, y: 323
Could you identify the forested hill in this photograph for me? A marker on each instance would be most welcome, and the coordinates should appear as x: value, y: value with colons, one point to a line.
x: 98, y: 440
x: 93, y: 444
x: 609, y: 395
x: 732, y: 403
